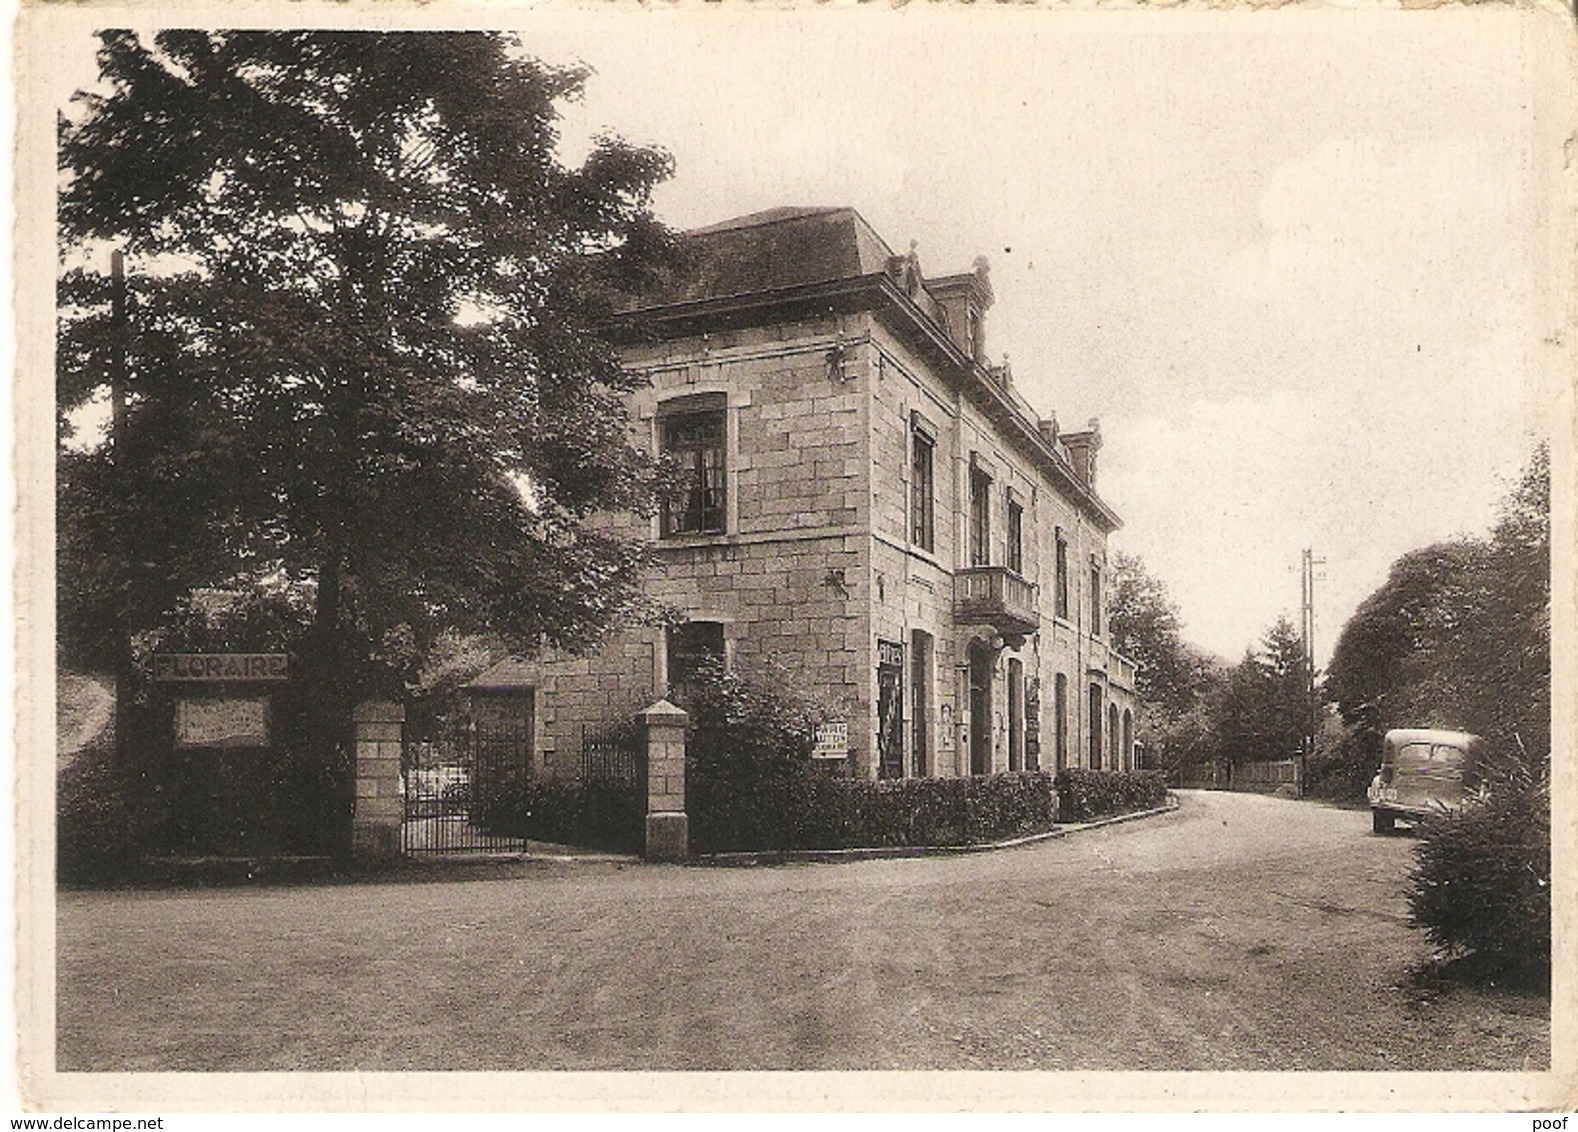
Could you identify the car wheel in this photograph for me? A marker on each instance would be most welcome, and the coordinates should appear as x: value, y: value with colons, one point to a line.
x: 1382, y: 822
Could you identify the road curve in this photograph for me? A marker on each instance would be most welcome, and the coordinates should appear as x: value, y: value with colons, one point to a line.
x: 1239, y: 932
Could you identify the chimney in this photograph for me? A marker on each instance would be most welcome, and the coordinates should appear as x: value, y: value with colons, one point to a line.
x: 1082, y: 448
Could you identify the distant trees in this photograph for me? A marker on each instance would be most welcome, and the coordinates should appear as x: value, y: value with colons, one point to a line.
x: 1176, y: 680
x: 1459, y: 635
x: 1263, y: 706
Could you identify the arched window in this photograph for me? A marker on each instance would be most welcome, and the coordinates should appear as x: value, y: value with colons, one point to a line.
x: 1095, y: 727
x: 1060, y: 721
x: 1114, y: 760
x: 1128, y: 739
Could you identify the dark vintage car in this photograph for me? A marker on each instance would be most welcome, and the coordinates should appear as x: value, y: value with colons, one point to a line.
x: 1423, y: 772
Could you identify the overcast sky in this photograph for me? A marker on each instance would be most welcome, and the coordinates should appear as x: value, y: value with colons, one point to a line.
x: 1299, y: 263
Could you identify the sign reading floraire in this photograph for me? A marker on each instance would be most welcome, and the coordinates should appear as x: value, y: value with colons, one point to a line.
x: 832, y: 741
x: 221, y: 666
x: 221, y: 723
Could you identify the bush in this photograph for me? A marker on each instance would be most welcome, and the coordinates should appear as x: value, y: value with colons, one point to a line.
x: 1341, y: 770
x: 600, y: 815
x: 96, y: 837
x: 1084, y: 795
x: 1482, y: 878
x: 752, y: 785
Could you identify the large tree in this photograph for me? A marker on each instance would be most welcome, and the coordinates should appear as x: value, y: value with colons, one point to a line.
x: 1176, y: 681
x: 362, y: 350
x: 1459, y: 634
x: 1144, y: 624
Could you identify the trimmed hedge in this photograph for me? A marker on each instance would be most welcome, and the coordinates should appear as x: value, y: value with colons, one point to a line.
x: 600, y: 815
x: 811, y: 810
x: 1084, y: 795
x: 1482, y: 878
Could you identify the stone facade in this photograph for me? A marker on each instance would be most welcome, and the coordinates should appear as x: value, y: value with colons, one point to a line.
x: 823, y: 361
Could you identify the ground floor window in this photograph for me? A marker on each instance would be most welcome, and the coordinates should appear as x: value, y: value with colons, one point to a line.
x: 1095, y: 726
x: 980, y: 677
x: 1033, y: 723
x: 1016, y: 715
x: 692, y: 647
x: 920, y: 703
x: 890, y: 709
x: 1114, y: 755
x: 1060, y: 721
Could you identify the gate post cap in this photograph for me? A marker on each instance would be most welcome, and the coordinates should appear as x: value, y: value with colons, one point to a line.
x: 663, y: 712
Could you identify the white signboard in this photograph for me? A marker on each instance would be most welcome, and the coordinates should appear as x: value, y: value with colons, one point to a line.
x: 832, y: 741
x: 221, y: 723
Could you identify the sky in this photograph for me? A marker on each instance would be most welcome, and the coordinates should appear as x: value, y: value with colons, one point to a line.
x: 1299, y: 263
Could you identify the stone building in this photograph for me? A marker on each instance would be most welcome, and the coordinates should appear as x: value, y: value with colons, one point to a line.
x: 870, y: 503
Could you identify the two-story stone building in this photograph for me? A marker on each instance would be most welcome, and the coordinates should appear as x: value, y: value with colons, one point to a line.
x: 869, y: 503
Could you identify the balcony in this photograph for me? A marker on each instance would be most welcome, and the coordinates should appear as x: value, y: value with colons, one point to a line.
x: 995, y: 596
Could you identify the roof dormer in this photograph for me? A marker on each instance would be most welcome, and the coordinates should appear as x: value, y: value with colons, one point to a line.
x: 964, y: 299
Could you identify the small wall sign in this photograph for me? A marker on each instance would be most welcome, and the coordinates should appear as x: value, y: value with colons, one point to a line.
x: 229, y: 722
x: 216, y: 667
x: 832, y: 741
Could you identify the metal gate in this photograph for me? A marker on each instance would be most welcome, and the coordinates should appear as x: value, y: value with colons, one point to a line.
x: 463, y: 796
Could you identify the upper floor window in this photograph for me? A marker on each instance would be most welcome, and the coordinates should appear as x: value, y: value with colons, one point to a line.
x: 1095, y: 598
x: 1061, y: 591
x: 980, y: 518
x: 692, y: 432
x: 1016, y: 537
x: 922, y: 490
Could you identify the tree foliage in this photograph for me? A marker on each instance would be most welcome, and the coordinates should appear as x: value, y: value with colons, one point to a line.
x: 1177, y: 682
x: 1144, y: 625
x: 1459, y: 634
x: 1262, y: 709
x: 363, y: 343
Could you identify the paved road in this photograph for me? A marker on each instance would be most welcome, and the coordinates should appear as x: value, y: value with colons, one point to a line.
x: 1238, y: 933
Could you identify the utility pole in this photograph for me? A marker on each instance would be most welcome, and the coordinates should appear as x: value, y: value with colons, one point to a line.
x: 119, y: 333
x: 1312, y: 720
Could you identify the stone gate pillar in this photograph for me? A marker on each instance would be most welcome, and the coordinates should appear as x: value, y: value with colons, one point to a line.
x: 668, y: 828
x: 380, y: 807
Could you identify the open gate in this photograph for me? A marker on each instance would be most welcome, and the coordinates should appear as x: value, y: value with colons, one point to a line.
x: 457, y: 793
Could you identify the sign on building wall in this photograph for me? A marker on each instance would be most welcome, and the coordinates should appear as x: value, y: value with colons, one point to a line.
x: 223, y: 722
x: 832, y: 741
x: 890, y: 654
x: 218, y: 667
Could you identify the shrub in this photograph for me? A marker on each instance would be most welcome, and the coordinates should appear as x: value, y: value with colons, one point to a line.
x: 752, y: 785
x: 96, y: 837
x: 601, y: 815
x: 1340, y: 770
x: 1482, y: 877
x: 1087, y: 794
